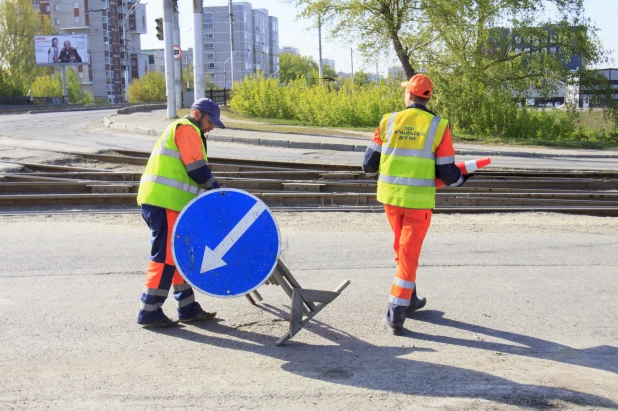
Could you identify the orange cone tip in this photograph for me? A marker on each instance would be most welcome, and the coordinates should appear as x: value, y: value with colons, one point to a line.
x: 467, y: 167
x: 471, y: 166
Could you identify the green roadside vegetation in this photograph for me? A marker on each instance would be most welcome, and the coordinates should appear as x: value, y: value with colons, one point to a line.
x: 590, y: 121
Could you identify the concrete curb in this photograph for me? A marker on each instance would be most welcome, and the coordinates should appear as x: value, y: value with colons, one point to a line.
x: 307, y: 145
x: 142, y: 107
x: 122, y: 108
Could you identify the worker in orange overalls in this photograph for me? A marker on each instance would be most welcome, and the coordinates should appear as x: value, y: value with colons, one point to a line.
x: 176, y: 173
x: 410, y: 149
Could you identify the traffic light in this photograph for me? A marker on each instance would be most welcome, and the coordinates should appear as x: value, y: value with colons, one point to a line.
x: 159, y: 22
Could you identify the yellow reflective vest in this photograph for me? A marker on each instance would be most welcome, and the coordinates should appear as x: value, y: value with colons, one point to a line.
x: 165, y: 182
x: 407, y: 160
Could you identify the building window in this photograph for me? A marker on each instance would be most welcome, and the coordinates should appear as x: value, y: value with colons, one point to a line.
x: 56, y: 7
x: 57, y: 21
x: 210, y: 36
x: 47, y: 8
x: 76, y: 19
x: 208, y: 26
x: 210, y: 56
x: 209, y: 46
x: 210, y: 66
x: 75, y: 5
x: 208, y: 17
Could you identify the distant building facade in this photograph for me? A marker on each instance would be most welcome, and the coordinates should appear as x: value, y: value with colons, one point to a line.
x: 397, y: 73
x: 103, y: 22
x: 291, y: 50
x: 256, y: 43
x: 329, y: 62
x: 585, y: 96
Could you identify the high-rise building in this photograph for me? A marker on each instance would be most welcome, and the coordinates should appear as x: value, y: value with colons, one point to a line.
x: 328, y: 62
x: 103, y: 21
x: 291, y: 50
x: 256, y: 43
x: 397, y: 73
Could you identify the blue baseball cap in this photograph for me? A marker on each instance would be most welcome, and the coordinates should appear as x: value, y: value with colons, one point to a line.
x: 211, y: 109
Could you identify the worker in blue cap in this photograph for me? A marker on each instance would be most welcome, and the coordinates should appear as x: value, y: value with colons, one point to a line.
x: 176, y: 173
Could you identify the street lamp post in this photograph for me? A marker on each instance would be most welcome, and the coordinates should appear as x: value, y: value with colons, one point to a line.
x: 127, y: 61
x: 225, y: 72
x: 273, y: 73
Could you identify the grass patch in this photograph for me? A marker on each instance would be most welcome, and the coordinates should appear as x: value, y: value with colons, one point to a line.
x: 239, y: 122
x: 592, y: 122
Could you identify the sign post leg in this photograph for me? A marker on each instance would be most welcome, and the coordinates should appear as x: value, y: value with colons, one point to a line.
x: 65, y: 95
x: 303, y: 300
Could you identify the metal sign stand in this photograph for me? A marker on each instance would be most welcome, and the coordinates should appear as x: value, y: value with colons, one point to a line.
x: 302, y: 299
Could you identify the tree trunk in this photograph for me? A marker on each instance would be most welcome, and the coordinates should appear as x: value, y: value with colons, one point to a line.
x: 403, y: 56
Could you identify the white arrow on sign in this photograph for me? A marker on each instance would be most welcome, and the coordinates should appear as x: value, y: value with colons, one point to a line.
x: 214, y: 258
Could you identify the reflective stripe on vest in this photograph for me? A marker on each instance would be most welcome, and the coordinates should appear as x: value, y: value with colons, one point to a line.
x: 165, y: 182
x: 407, y: 163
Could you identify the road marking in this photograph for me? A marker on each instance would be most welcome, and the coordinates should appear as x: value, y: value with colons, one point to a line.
x: 214, y: 258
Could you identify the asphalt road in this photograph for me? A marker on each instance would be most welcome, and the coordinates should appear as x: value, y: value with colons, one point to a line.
x: 35, y: 135
x: 521, y: 314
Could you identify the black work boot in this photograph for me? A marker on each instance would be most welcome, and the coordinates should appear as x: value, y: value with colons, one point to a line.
x: 415, y: 304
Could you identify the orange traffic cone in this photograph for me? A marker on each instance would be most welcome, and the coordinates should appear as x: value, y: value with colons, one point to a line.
x: 467, y: 167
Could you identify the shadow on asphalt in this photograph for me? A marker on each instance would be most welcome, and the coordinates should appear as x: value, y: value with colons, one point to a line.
x: 357, y: 363
x: 595, y: 357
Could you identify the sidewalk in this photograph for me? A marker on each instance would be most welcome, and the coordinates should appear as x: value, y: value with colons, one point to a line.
x: 154, y: 122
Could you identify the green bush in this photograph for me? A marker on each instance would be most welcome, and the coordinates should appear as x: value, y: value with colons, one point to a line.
x: 470, y: 106
x: 148, y: 89
x: 46, y: 86
x: 350, y: 106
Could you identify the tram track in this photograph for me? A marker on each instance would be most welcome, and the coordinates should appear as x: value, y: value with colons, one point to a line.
x: 303, y: 187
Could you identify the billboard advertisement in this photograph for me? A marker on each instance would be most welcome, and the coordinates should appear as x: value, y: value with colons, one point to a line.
x: 58, y: 49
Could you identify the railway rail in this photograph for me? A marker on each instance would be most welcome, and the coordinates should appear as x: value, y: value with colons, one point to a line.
x: 304, y: 187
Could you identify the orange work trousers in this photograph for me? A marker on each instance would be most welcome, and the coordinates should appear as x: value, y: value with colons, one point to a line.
x: 410, y: 228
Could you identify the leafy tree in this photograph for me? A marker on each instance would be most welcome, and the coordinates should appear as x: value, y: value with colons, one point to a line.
x: 51, y: 86
x: 293, y: 66
x: 187, y: 78
x: 480, y: 58
x: 328, y: 72
x: 19, y: 24
x: 148, y: 89
x: 483, y: 55
x: 47, y: 86
x: 375, y: 24
x: 361, y: 78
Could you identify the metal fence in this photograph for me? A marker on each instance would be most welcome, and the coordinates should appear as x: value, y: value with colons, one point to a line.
x: 23, y: 100
x: 220, y: 97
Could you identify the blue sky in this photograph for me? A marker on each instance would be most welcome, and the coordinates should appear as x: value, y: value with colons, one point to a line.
x: 299, y: 34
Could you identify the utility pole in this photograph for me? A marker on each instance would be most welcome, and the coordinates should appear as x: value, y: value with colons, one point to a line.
x: 352, y: 62
x: 177, y: 63
x: 321, y: 73
x: 127, y: 55
x: 168, y: 36
x: 198, y: 50
x: 377, y: 73
x: 188, y: 71
x: 231, y: 44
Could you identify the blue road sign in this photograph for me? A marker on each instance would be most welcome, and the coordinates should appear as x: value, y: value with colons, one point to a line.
x: 226, y: 243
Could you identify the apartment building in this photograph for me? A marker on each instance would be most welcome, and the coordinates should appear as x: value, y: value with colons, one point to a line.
x: 103, y: 21
x: 291, y: 50
x: 256, y: 43
x: 328, y: 62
